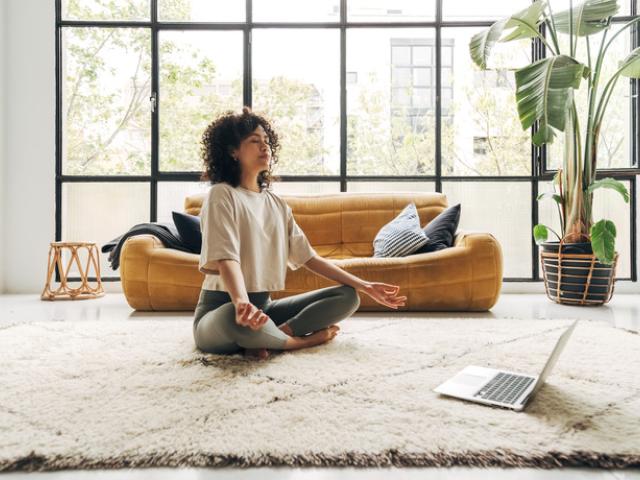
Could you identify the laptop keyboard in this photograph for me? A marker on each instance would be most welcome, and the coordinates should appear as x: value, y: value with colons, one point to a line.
x: 504, y: 388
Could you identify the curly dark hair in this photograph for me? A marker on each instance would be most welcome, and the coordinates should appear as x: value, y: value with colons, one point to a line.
x: 227, y: 131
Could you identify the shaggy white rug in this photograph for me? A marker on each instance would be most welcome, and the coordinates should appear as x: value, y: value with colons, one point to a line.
x: 138, y: 394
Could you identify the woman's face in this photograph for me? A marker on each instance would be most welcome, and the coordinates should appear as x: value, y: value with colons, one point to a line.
x: 254, y: 153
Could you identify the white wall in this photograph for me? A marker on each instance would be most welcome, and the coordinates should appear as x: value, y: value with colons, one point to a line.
x: 28, y: 207
x: 3, y: 44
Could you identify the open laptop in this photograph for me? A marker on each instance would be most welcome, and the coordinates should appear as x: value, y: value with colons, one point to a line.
x: 502, y: 388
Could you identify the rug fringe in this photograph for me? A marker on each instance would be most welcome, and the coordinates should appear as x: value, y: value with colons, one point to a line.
x: 388, y: 458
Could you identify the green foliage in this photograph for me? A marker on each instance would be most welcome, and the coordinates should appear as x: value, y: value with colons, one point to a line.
x: 96, y: 113
x: 586, y: 18
x: 541, y: 233
x: 106, y: 9
x: 542, y: 94
x: 554, y: 196
x: 545, y: 96
x: 630, y: 66
x: 523, y: 23
x: 612, y: 184
x: 603, y: 241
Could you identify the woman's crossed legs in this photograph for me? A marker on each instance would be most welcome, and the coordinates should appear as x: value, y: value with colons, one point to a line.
x: 216, y: 331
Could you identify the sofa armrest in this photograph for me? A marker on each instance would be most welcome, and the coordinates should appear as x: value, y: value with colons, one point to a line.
x: 485, y: 254
x: 158, y: 278
x: 135, y: 256
x: 481, y: 244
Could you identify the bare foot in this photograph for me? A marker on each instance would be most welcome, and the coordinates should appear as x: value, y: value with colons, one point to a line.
x: 316, y: 338
x: 287, y: 329
x: 257, y: 353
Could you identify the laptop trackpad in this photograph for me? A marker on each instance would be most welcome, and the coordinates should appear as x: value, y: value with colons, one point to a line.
x: 469, y: 380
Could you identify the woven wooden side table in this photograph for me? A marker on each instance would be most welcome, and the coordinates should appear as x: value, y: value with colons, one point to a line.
x: 64, y: 291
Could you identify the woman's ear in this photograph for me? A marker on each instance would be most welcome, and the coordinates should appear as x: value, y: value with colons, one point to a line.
x: 233, y: 152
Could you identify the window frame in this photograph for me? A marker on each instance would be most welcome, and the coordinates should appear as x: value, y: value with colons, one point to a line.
x: 539, y: 171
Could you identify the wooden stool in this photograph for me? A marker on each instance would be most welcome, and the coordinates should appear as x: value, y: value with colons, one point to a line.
x: 64, y: 291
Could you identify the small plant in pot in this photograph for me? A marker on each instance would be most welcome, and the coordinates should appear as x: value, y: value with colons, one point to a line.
x: 578, y: 268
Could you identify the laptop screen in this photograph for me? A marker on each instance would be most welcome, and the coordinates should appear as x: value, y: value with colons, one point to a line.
x: 562, y: 341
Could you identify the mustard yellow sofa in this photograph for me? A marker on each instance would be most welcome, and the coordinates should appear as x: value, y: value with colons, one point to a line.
x: 341, y: 227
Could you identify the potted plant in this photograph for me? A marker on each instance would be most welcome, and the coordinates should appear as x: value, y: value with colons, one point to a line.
x: 579, y: 268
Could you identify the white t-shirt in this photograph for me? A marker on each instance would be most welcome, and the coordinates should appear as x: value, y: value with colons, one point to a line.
x: 255, y: 229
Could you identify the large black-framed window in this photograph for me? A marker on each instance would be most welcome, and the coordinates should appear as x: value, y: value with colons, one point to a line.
x: 425, y: 41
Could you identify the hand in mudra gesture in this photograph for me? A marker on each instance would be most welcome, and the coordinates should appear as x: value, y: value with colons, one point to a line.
x: 384, y: 294
x: 248, y: 315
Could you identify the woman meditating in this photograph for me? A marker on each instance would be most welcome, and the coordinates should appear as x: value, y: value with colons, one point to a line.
x: 249, y: 237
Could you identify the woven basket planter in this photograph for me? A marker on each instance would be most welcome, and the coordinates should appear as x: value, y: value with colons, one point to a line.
x: 576, y: 278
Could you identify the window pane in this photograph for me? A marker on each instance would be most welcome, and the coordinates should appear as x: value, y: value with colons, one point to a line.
x: 472, y: 10
x: 200, y: 78
x: 391, y: 10
x: 607, y: 204
x: 422, y: 77
x: 106, y: 10
x: 371, y: 187
x: 106, y: 114
x: 614, y: 145
x: 171, y: 196
x: 296, y: 11
x: 305, y: 188
x: 88, y: 213
x: 201, y: 11
x: 502, y: 209
x: 300, y: 93
x: 391, y: 106
x: 481, y: 132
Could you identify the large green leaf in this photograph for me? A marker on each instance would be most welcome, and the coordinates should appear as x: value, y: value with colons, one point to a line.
x: 630, y: 66
x: 524, y: 25
x: 542, y: 93
x: 482, y: 42
x: 610, y: 183
x: 603, y: 241
x: 588, y: 17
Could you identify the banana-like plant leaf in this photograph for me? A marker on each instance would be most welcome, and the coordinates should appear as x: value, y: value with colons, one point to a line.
x: 610, y: 183
x: 589, y: 17
x: 544, y: 134
x: 524, y: 23
x: 542, y: 93
x: 603, y: 241
x: 553, y: 196
x: 482, y: 43
x: 630, y: 66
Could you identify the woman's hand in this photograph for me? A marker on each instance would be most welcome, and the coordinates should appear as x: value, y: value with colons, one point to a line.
x: 248, y: 315
x: 384, y: 293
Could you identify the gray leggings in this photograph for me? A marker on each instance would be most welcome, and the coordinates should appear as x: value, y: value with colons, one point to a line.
x: 215, y: 329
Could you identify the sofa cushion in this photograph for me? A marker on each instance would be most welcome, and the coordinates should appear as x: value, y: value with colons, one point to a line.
x: 401, y: 236
x: 441, y: 230
x: 188, y: 227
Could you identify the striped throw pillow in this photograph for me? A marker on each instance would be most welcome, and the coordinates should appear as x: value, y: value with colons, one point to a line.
x: 401, y: 236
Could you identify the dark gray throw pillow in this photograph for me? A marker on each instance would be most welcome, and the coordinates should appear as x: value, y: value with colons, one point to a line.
x: 188, y: 227
x: 441, y: 230
x: 401, y: 236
